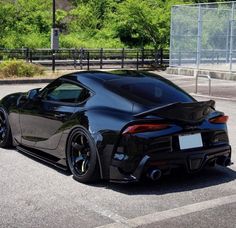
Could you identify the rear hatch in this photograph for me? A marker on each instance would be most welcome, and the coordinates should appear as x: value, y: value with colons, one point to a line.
x: 175, y: 127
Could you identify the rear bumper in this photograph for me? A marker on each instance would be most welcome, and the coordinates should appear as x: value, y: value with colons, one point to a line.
x: 192, y: 161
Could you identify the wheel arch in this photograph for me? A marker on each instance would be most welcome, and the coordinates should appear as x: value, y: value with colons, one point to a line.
x: 97, y: 153
x: 104, y: 125
x: 9, y: 139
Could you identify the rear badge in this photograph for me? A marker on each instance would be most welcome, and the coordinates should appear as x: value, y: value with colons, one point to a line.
x: 190, y: 141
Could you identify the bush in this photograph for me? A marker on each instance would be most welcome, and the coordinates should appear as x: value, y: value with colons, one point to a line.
x: 98, y: 41
x: 19, y: 68
x: 35, y: 40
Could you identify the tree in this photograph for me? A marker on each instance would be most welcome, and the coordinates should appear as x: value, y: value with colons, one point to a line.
x: 87, y: 23
x: 25, y: 19
x: 143, y: 22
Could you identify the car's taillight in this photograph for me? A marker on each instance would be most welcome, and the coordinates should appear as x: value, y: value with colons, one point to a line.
x: 219, y: 120
x: 144, y: 128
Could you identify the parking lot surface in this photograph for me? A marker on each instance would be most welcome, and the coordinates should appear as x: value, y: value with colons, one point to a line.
x: 33, y: 194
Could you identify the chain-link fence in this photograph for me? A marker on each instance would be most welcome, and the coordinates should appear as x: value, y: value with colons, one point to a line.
x: 203, y: 36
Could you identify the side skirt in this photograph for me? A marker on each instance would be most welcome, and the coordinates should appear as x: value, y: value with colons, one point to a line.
x: 49, y: 159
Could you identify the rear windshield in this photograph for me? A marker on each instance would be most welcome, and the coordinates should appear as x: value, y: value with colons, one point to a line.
x: 149, y: 91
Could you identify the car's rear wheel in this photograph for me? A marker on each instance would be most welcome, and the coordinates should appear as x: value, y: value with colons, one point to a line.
x: 82, y: 156
x: 5, y: 130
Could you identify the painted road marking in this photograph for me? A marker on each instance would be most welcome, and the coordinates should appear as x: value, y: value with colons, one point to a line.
x: 172, y: 213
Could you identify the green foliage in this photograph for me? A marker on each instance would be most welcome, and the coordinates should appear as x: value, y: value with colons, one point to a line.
x: 19, y: 68
x: 83, y: 19
x: 35, y: 40
x: 141, y: 22
x: 22, y: 19
x: 98, y: 41
x: 87, y: 23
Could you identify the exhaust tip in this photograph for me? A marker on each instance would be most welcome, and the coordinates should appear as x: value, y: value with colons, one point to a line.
x: 154, y: 174
x: 227, y: 162
x: 224, y: 161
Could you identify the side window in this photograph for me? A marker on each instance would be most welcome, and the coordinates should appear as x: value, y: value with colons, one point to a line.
x: 67, y: 92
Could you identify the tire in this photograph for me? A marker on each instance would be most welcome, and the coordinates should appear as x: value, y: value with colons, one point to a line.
x: 5, y: 130
x: 82, y: 156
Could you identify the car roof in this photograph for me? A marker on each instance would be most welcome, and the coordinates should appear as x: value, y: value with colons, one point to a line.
x: 133, y: 86
x: 111, y: 75
x: 102, y: 77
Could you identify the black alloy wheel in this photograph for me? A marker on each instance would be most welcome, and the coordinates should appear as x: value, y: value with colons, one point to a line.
x: 5, y: 131
x: 82, y: 156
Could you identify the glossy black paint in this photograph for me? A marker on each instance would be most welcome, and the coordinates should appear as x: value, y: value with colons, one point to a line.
x: 40, y: 124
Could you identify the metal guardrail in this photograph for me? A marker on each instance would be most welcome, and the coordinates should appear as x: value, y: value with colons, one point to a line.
x: 197, y: 75
x: 90, y: 58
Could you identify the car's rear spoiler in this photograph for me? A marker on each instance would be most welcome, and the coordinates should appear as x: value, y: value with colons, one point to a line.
x: 186, y: 112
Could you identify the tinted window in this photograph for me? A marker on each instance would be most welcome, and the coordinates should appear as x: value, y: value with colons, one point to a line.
x: 150, y: 91
x: 65, y: 92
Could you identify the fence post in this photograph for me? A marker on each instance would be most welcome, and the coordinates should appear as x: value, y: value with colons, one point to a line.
x: 74, y: 57
x: 142, y: 52
x: 157, y: 57
x: 161, y: 56
x: 199, y: 36
x: 101, y: 58
x: 31, y: 56
x: 122, y: 57
x: 232, y: 21
x: 88, y: 61
x: 228, y: 41
x: 26, y: 54
x: 53, y: 60
x: 137, y: 66
x: 196, y: 80
x: 81, y: 58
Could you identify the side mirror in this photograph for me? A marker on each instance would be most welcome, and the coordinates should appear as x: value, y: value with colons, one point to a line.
x: 32, y: 94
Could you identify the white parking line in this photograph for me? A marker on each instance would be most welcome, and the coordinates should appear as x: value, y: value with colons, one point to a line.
x: 172, y: 213
x: 106, y: 213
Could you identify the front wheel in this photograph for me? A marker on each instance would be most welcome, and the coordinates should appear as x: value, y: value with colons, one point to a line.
x: 5, y: 130
x: 82, y: 156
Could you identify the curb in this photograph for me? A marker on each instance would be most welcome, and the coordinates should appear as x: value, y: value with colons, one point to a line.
x: 213, y: 97
x: 216, y: 74
x: 26, y: 81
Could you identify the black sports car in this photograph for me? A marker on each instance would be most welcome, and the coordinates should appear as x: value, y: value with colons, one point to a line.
x: 120, y: 126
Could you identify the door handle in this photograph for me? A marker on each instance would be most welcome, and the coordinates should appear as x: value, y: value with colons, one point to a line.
x: 60, y: 115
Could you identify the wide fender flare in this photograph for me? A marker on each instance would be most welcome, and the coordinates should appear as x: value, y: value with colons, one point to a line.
x: 95, y: 137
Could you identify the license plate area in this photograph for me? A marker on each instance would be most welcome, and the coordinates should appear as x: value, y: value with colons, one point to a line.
x: 190, y: 141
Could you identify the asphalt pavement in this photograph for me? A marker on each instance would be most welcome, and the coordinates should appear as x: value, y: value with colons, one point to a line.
x: 33, y: 194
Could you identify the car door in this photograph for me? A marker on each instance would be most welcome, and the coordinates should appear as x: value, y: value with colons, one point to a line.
x: 42, y: 118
